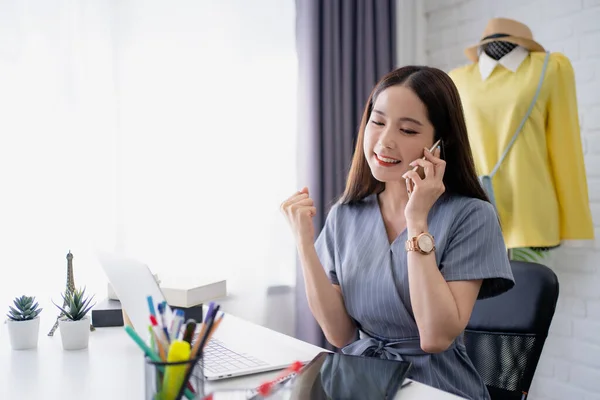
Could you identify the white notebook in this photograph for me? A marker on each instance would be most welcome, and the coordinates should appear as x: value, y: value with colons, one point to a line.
x: 188, y: 291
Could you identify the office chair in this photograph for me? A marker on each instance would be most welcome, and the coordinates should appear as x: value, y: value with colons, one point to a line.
x: 506, y: 333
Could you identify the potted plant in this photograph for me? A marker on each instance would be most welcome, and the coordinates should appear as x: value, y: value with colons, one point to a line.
x: 24, y: 323
x: 74, y: 323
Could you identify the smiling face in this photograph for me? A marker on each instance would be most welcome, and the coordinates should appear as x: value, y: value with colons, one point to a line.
x: 409, y: 108
x: 396, y: 133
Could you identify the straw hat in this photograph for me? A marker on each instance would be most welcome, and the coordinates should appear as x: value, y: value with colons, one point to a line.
x: 507, y: 30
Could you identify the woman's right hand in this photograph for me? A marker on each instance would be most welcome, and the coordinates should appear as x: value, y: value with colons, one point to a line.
x: 299, y: 210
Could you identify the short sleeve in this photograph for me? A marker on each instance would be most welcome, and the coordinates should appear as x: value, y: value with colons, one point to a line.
x: 325, y: 246
x: 476, y: 250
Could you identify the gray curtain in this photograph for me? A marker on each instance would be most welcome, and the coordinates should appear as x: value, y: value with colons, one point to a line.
x: 343, y: 47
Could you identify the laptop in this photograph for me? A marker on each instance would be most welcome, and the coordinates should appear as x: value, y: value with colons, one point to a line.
x: 229, y: 353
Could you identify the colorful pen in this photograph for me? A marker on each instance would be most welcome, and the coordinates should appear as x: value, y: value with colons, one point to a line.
x: 207, y: 325
x: 196, y: 345
x: 163, y: 322
x: 206, y: 329
x: 215, y: 326
x: 151, y: 306
x: 160, y: 333
x: 188, y: 375
x: 151, y: 355
x: 152, y: 341
x: 176, y: 324
x: 211, y: 305
x: 138, y: 340
x: 161, y: 345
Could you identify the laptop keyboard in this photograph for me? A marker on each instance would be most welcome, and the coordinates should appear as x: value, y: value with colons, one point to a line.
x: 218, y: 359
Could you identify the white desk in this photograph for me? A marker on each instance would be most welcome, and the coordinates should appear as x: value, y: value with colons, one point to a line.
x: 112, y: 367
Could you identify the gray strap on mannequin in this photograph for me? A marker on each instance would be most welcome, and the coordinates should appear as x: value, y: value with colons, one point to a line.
x: 520, y: 127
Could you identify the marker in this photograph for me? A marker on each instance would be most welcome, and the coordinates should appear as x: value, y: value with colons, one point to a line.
x: 174, y: 374
x: 190, y: 328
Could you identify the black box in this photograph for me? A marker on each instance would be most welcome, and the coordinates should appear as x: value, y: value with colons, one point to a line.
x: 109, y: 313
x: 196, y: 313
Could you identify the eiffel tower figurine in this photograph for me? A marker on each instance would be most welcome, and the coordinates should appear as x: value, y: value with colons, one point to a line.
x: 70, y: 288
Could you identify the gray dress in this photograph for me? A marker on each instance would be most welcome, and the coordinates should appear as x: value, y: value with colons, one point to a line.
x: 373, y: 276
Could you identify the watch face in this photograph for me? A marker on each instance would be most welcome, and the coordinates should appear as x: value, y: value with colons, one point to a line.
x: 425, y: 243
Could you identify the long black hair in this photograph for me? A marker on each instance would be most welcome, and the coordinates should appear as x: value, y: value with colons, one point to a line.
x: 444, y: 109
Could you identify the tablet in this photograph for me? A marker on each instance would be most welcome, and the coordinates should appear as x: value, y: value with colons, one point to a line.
x: 334, y: 376
x: 331, y: 376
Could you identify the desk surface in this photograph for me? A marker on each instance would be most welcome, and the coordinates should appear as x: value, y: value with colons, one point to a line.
x: 112, y: 367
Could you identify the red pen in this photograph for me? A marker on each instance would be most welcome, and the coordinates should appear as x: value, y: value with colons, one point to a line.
x: 160, y: 334
x: 266, y: 388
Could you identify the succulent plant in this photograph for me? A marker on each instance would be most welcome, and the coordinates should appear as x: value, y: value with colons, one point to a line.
x: 26, y: 308
x: 76, y: 304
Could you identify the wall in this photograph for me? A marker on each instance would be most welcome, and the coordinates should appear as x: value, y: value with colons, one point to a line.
x: 570, y: 365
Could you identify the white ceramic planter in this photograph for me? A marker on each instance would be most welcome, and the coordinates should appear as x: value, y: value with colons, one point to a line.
x: 75, y: 335
x: 24, y: 334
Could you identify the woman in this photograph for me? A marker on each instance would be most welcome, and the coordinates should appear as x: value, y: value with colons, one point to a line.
x: 404, y: 269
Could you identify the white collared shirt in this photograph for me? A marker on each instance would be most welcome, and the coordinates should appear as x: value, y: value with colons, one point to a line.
x: 510, y: 61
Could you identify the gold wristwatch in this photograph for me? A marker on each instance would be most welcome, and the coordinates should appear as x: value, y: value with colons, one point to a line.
x: 423, y: 243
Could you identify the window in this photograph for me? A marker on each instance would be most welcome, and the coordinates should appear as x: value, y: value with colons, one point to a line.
x: 166, y: 132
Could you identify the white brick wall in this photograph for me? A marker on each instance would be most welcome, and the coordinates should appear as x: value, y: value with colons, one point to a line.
x: 570, y: 364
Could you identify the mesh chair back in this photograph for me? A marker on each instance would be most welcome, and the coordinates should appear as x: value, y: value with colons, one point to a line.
x: 506, y: 334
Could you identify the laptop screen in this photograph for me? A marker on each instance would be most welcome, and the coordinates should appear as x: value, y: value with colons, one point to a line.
x: 133, y: 282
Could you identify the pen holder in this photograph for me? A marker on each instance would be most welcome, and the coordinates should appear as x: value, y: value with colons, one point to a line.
x: 163, y: 380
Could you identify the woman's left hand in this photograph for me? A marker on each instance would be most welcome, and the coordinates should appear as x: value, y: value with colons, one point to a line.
x: 425, y: 192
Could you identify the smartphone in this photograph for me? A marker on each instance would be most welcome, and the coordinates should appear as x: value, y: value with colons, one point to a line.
x: 420, y: 170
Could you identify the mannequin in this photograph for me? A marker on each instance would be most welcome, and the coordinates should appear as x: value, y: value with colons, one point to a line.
x: 540, y: 187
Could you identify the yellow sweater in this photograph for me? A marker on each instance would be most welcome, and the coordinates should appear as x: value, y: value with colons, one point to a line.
x: 540, y: 188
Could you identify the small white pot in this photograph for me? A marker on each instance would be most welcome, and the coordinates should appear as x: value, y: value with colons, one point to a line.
x: 24, y: 334
x: 75, y: 335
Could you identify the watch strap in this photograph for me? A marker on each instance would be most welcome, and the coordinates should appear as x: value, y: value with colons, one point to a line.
x: 412, y: 244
